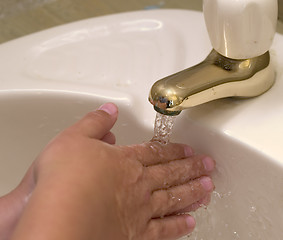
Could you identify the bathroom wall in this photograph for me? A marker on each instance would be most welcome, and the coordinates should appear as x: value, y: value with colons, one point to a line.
x: 21, y: 17
x: 280, y: 10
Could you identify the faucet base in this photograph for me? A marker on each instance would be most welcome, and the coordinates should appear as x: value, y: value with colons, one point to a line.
x: 258, y: 84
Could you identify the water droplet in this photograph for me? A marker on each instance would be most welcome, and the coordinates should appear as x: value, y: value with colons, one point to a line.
x: 253, y: 209
x: 222, y: 195
x: 236, y: 235
x: 203, y: 206
x: 174, y: 198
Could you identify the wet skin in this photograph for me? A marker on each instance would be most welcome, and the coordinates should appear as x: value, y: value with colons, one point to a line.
x: 82, y: 186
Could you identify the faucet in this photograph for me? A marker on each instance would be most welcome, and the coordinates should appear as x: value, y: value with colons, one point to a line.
x: 239, y: 65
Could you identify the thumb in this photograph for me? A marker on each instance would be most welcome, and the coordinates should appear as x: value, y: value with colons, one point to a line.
x: 98, y: 123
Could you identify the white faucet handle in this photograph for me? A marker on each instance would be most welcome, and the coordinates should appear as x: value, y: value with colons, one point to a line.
x: 241, y: 29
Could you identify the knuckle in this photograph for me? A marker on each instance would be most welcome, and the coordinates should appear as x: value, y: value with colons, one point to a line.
x: 163, y: 200
x: 129, y: 152
x: 156, y: 150
x: 171, y: 200
x: 97, y: 118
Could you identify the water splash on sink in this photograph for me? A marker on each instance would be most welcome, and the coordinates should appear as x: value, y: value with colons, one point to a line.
x: 206, y: 216
x: 222, y: 200
x: 206, y: 219
x: 163, y: 128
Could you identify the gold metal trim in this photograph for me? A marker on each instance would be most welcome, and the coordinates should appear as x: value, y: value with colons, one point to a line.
x: 216, y: 77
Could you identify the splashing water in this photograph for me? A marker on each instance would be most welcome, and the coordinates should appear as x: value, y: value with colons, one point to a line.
x: 163, y: 128
x: 207, y: 217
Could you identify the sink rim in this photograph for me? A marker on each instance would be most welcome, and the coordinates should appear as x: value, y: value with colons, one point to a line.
x: 217, y: 115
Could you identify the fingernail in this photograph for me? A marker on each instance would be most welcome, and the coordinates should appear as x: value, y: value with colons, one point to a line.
x: 207, y: 184
x: 188, y: 151
x: 109, y: 108
x: 208, y: 164
x: 190, y: 222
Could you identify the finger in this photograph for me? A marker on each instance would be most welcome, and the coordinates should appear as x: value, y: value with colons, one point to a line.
x: 109, y: 138
x: 179, y: 171
x: 152, y: 153
x: 170, y: 228
x: 166, y: 202
x: 98, y: 123
x: 195, y: 206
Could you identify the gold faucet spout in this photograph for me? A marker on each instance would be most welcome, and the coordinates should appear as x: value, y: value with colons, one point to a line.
x: 214, y: 78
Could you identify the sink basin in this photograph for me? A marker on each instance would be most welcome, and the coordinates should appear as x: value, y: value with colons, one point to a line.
x: 52, y: 78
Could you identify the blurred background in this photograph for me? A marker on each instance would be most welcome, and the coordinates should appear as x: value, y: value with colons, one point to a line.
x: 21, y: 17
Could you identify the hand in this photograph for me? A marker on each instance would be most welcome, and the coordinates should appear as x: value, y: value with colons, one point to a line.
x: 84, y: 187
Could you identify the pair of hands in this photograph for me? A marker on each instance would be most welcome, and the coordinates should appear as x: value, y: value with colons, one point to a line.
x: 82, y: 186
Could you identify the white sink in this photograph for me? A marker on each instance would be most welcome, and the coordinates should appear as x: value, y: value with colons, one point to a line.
x: 50, y: 79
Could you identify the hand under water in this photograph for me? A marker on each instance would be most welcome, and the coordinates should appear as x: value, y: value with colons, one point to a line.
x: 82, y: 186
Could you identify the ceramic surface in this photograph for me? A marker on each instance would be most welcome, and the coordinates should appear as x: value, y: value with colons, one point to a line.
x: 52, y: 78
